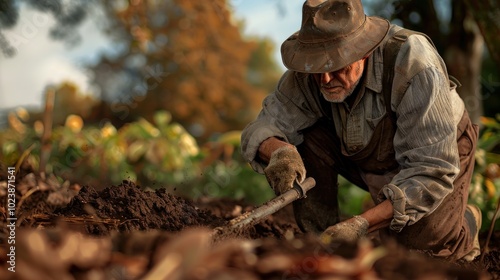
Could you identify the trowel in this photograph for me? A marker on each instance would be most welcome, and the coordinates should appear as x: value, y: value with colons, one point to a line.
x: 298, y: 191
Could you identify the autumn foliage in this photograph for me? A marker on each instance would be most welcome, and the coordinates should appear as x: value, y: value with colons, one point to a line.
x: 186, y: 57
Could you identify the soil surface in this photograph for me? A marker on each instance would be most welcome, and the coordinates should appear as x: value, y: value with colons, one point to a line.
x: 126, y: 232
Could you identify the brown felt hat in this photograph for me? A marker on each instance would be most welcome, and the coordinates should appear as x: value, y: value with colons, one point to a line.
x: 333, y: 35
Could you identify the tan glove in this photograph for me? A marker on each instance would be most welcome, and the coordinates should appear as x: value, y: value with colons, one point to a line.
x: 285, y: 165
x: 349, y: 231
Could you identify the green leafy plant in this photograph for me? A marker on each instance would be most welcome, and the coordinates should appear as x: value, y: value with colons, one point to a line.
x: 485, y: 186
x: 352, y: 199
x: 226, y: 174
x: 139, y: 151
x: 157, y: 154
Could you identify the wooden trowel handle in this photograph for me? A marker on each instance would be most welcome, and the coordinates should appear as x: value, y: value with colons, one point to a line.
x: 298, y: 191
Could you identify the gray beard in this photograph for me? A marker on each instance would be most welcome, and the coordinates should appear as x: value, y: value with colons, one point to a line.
x: 345, y: 97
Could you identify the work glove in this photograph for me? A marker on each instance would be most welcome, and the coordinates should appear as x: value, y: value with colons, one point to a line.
x: 349, y: 231
x: 285, y: 165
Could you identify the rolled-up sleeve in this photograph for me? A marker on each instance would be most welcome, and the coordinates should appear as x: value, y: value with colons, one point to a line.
x: 284, y: 113
x: 426, y: 149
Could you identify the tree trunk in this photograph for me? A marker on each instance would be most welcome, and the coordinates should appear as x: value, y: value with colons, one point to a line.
x: 463, y: 57
x: 487, y: 15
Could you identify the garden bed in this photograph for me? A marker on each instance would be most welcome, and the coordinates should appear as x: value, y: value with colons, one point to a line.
x: 128, y: 232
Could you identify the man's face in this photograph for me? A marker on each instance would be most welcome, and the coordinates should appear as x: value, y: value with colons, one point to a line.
x: 337, y: 86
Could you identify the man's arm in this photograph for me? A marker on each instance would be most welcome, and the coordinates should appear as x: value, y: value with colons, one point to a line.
x: 379, y: 216
x: 268, y: 146
x: 425, y: 146
x: 285, y: 112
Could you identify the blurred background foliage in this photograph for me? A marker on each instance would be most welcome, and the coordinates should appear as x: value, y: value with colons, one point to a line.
x: 183, y: 81
x: 158, y: 154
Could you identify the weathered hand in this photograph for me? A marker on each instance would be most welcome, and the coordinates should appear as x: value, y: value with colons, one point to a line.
x: 284, y: 167
x: 350, y: 231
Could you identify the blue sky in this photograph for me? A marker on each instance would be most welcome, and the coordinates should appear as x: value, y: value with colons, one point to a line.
x: 41, y: 61
x: 275, y: 19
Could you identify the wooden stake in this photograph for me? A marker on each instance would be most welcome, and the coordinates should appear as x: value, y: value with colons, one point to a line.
x: 492, y: 227
x: 46, y: 144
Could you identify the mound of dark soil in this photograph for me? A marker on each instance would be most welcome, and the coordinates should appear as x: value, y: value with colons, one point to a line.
x: 128, y: 208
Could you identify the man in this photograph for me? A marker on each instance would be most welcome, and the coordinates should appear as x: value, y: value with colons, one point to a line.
x: 407, y: 139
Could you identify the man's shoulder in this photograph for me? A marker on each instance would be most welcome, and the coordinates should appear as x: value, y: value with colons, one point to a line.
x: 411, y: 39
x: 393, y: 28
x: 416, y: 52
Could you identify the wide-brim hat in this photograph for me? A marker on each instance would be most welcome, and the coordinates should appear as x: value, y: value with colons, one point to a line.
x: 333, y: 35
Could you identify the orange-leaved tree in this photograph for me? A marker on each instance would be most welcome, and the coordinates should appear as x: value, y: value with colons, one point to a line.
x: 187, y: 57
